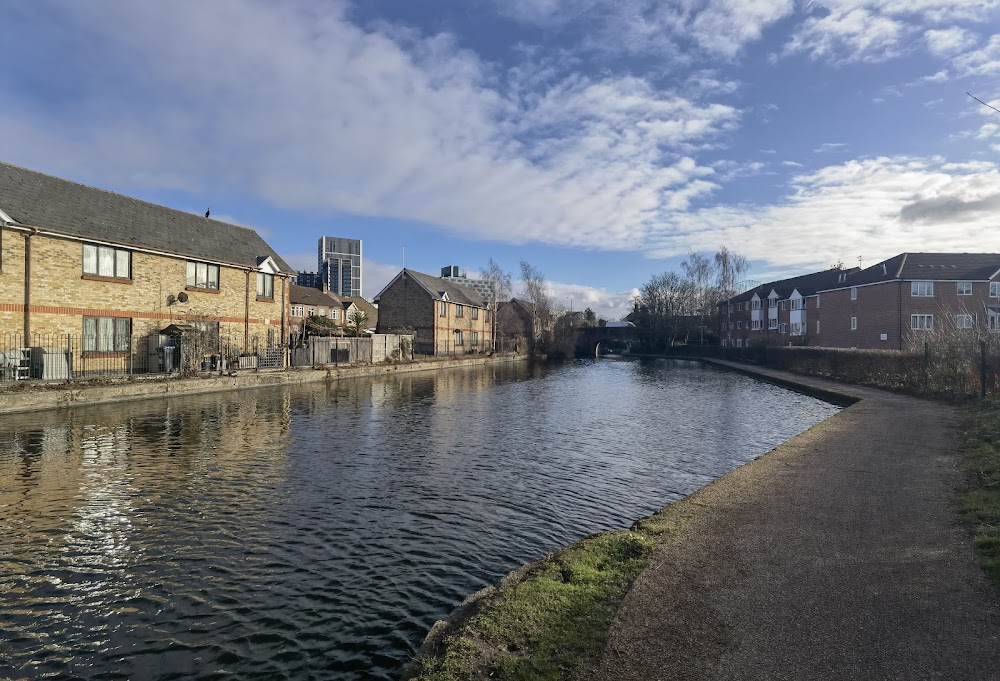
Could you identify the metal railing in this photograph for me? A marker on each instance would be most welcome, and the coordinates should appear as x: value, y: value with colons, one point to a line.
x: 68, y: 357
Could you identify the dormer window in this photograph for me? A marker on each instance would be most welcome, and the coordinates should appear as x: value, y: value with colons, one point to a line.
x: 841, y: 278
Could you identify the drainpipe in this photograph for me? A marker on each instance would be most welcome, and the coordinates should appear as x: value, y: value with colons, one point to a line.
x: 246, y: 316
x: 899, y: 315
x: 27, y: 284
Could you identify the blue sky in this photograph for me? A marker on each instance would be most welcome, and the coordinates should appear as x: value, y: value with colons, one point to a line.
x: 600, y: 140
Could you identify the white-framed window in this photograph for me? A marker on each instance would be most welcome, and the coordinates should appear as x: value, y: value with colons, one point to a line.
x: 739, y: 325
x: 265, y: 286
x: 459, y: 337
x: 739, y: 342
x: 798, y: 303
x: 922, y: 289
x: 854, y: 323
x: 474, y: 336
x: 322, y: 312
x: 334, y: 314
x: 107, y: 334
x: 202, y: 275
x: 757, y: 325
x: 772, y: 301
x: 756, y: 304
x: 963, y: 288
x: 443, y: 308
x: 854, y: 293
x: 796, y: 329
x: 817, y: 302
x: 459, y: 310
x: 963, y: 321
x: 105, y: 261
x: 474, y: 311
x: 772, y: 323
x: 782, y: 328
x: 995, y: 289
x: 921, y: 322
x: 817, y: 325
x: 312, y: 311
x: 297, y: 311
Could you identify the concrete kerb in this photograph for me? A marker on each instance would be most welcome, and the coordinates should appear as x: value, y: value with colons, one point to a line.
x: 61, y: 396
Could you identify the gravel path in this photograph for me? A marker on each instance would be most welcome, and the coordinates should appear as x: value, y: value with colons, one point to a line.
x: 839, y: 555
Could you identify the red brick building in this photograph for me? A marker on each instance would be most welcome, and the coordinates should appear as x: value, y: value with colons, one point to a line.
x: 889, y: 305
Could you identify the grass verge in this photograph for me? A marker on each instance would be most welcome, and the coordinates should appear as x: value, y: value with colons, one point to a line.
x: 981, y: 503
x: 546, y: 620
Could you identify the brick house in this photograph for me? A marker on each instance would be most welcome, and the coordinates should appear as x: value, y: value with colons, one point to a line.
x: 888, y: 305
x: 777, y: 313
x: 445, y: 318
x: 893, y: 303
x: 312, y: 302
x: 77, y: 261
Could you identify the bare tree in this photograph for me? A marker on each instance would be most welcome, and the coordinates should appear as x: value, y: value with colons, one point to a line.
x: 500, y: 286
x: 533, y: 289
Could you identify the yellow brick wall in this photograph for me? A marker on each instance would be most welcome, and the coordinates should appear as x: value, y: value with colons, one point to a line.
x: 61, y: 296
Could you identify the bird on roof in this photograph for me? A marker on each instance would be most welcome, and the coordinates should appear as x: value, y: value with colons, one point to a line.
x: 207, y: 212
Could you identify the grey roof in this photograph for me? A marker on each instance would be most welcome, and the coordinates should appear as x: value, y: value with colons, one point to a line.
x: 927, y: 266
x: 305, y: 295
x: 457, y: 293
x: 806, y: 285
x: 38, y: 200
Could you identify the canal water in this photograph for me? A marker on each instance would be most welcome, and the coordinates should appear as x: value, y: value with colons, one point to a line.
x: 319, y: 531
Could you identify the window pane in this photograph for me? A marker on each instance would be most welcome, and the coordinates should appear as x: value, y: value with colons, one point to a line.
x: 213, y: 276
x: 123, y: 329
x: 260, y: 284
x: 123, y: 261
x: 89, y: 259
x: 191, y: 274
x: 105, y: 333
x: 89, y: 333
x: 201, y: 275
x: 106, y: 261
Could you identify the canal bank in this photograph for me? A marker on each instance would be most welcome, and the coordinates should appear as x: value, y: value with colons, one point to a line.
x: 38, y: 396
x: 839, y: 554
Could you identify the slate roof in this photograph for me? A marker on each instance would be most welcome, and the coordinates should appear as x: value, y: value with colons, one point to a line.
x: 53, y: 204
x: 457, y: 293
x: 929, y: 267
x: 305, y: 295
x: 806, y: 284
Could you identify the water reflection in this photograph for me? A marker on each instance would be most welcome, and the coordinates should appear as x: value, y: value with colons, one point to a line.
x: 318, y: 531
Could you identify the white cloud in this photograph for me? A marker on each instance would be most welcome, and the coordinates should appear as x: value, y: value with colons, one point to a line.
x: 792, y: 164
x: 848, y: 34
x: 829, y: 146
x: 983, y: 61
x: 609, y: 305
x: 878, y: 207
x: 947, y: 41
x: 339, y: 119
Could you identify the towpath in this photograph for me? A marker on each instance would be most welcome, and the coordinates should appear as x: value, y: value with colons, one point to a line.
x: 839, y: 555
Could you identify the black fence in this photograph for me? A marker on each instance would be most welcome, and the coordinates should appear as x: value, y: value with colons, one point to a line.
x: 68, y: 357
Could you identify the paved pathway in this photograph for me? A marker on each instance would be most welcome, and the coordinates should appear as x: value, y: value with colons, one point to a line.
x: 839, y: 555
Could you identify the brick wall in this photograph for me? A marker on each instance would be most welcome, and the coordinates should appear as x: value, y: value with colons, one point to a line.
x: 886, y: 309
x: 61, y: 295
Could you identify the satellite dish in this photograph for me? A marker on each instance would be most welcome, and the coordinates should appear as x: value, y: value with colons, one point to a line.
x: 182, y: 297
x: 171, y: 300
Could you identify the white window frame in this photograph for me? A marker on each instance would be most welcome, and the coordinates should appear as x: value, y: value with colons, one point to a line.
x: 757, y: 325
x: 963, y: 321
x: 443, y: 308
x: 739, y: 324
x: 739, y: 342
x: 782, y: 328
x: 922, y: 289
x: 202, y: 275
x: 459, y: 310
x: 921, y: 322
x: 963, y: 288
x: 772, y: 301
x: 334, y: 314
x: 459, y: 338
x: 297, y: 311
x: 474, y: 338
x: 755, y: 304
x: 995, y: 289
x: 854, y: 293
x: 772, y: 323
x: 474, y: 312
x: 107, y: 262
x: 854, y: 323
x: 817, y: 326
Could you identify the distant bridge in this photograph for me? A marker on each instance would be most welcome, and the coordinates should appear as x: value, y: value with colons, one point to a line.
x: 588, y: 343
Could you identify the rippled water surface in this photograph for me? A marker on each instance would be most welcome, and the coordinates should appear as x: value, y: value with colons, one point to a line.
x: 318, y: 532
